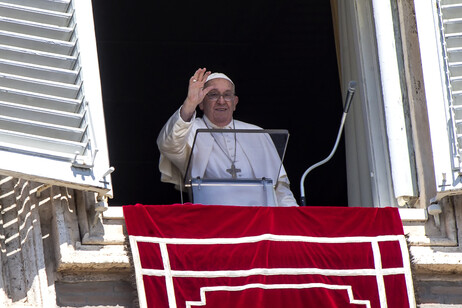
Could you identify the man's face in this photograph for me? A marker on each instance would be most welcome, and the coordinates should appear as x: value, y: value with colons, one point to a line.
x: 220, y: 102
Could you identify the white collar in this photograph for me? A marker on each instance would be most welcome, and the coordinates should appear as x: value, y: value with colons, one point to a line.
x: 210, y: 124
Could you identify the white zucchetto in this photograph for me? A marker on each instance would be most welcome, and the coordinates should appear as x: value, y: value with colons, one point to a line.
x: 219, y: 75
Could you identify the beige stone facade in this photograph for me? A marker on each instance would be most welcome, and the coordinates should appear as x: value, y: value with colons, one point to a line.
x: 437, y: 256
x: 57, y: 251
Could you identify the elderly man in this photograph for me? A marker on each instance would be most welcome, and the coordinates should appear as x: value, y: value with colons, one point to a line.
x: 215, y: 96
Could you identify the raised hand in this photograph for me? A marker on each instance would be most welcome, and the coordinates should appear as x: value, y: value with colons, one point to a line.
x: 196, y: 93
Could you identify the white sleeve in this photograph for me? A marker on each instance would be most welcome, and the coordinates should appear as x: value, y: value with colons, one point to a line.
x: 173, y: 142
x: 284, y: 195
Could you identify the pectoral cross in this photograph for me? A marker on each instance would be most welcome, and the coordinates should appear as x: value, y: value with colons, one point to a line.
x: 233, y: 171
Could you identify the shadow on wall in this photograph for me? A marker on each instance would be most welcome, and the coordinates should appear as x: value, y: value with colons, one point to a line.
x: 23, y: 261
x: 42, y: 254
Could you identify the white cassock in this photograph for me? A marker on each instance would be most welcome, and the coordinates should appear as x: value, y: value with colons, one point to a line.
x: 216, y: 153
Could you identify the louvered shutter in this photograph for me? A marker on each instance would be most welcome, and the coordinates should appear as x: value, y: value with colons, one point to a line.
x: 450, y: 13
x: 51, y: 116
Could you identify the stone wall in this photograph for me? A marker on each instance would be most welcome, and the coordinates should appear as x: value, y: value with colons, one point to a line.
x: 99, y: 293
x: 437, y: 255
x: 58, y: 251
x: 440, y: 289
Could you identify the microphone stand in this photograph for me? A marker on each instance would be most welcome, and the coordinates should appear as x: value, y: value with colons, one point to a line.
x: 349, y: 98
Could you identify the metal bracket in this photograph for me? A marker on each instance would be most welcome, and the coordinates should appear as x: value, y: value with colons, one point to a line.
x: 264, y: 184
x: 82, y: 163
x: 435, y: 210
x: 103, y: 177
x: 100, y: 207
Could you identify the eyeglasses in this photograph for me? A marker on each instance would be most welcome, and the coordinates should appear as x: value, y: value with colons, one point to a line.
x: 216, y: 96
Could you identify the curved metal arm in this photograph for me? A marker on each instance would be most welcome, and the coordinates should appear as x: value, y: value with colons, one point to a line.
x: 302, y: 188
x: 349, y: 98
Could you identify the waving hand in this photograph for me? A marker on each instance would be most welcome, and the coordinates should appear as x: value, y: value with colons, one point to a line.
x: 196, y: 93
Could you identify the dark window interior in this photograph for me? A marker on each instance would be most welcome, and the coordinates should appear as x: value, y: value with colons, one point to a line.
x: 280, y: 54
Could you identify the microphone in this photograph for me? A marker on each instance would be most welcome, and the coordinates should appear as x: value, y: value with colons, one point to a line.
x: 348, y: 100
x: 349, y: 97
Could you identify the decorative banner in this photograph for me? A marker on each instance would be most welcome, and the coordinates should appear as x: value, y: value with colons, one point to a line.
x: 226, y: 256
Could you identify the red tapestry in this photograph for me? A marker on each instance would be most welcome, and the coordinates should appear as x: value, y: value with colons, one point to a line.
x: 226, y: 256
